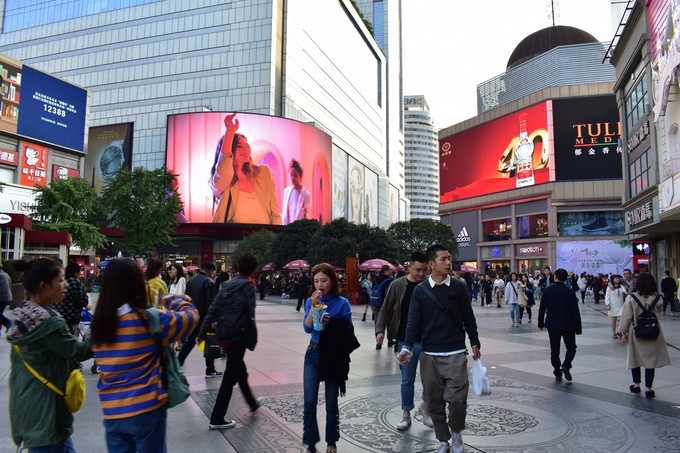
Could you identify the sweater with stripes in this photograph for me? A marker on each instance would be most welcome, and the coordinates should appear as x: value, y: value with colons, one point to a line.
x: 130, y: 381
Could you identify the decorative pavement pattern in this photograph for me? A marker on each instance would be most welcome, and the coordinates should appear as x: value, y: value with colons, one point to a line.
x: 511, y: 419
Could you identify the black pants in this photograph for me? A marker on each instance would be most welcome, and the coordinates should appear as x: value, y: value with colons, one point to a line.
x: 301, y: 298
x: 668, y: 300
x: 583, y: 297
x: 235, y: 373
x: 5, y: 321
x: 569, y: 342
x: 649, y: 376
x: 596, y: 295
x: 521, y: 311
x: 189, y: 345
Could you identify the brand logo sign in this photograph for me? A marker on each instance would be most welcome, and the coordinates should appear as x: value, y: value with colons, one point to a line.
x: 639, y: 214
x: 530, y: 250
x: 463, y: 239
x: 4, y: 218
x: 638, y: 136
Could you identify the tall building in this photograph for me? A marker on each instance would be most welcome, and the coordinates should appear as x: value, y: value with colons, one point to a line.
x: 535, y: 179
x: 145, y: 63
x: 422, y: 159
x: 385, y: 16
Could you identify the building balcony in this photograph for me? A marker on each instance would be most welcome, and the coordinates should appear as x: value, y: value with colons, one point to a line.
x: 670, y: 168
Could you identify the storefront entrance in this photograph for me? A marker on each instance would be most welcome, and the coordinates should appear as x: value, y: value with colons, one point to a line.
x: 531, y: 266
x: 494, y: 268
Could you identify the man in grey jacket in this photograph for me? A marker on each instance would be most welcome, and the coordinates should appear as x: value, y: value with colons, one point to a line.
x: 439, y: 316
x: 393, y: 316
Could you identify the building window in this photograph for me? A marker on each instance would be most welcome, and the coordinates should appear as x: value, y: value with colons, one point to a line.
x: 639, y: 174
x: 378, y: 24
x: 532, y: 226
x: 636, y: 102
x: 498, y: 230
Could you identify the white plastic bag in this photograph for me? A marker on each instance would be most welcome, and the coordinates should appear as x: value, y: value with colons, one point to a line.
x: 480, y: 381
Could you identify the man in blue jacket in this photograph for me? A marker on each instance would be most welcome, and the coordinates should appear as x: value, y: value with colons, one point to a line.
x: 439, y: 316
x: 559, y: 309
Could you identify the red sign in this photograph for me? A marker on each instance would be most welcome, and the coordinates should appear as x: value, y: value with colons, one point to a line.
x: 503, y: 154
x: 8, y: 157
x: 33, y: 164
x: 61, y: 172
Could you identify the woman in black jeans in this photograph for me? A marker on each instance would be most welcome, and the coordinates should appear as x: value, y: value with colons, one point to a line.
x: 531, y: 301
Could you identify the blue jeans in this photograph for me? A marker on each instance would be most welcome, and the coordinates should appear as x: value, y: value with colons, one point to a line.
x: 143, y: 433
x: 514, y: 312
x: 65, y: 446
x: 310, y: 427
x: 408, y: 377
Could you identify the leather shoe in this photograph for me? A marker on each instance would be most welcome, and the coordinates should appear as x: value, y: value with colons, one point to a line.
x: 567, y: 374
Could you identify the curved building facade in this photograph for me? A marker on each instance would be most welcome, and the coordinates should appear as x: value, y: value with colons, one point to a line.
x: 421, y: 158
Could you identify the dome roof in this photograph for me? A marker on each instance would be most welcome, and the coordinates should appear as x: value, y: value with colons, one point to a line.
x: 547, y: 39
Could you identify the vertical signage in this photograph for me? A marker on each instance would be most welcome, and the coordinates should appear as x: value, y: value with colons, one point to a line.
x: 33, y: 164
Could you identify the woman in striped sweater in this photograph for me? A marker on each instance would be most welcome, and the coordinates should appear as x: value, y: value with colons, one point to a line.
x: 130, y: 386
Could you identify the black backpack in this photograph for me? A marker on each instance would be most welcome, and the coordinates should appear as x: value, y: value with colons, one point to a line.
x: 647, y: 324
x: 235, y: 318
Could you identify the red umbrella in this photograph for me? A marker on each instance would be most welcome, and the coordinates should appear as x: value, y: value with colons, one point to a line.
x: 268, y: 267
x: 466, y: 268
x: 375, y: 265
x: 297, y: 265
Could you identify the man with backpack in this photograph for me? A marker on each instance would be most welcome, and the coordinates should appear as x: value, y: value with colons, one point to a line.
x: 201, y: 289
x: 380, y: 286
x: 232, y: 316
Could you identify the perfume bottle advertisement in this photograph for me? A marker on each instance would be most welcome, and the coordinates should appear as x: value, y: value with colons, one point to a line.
x: 486, y: 158
x: 270, y: 170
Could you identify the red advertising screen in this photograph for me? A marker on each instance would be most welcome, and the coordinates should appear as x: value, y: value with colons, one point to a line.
x: 506, y: 153
x: 270, y: 170
x: 33, y: 164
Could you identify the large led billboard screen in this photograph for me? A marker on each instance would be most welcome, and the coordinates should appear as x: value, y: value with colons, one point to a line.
x: 507, y: 153
x: 587, y: 132
x: 248, y: 168
x: 38, y: 106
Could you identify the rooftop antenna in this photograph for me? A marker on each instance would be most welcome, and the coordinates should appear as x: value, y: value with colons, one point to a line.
x: 553, y: 12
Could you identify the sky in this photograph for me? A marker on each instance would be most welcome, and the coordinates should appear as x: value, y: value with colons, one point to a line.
x: 450, y: 46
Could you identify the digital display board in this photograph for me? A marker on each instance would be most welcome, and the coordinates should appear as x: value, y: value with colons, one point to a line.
x: 587, y: 133
x: 38, y: 106
x: 109, y: 149
x: 486, y: 159
x: 249, y: 168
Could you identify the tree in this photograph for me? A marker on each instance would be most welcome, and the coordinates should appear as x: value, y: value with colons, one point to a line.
x: 70, y: 205
x: 419, y: 234
x: 143, y: 203
x: 259, y: 244
x: 293, y: 242
x: 334, y: 242
x: 374, y: 242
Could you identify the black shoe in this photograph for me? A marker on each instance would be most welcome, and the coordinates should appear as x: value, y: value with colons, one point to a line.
x: 373, y: 317
x: 213, y: 374
x: 634, y: 389
x: 558, y: 378
x: 378, y: 346
x: 650, y: 393
x: 558, y: 375
x: 223, y: 424
x: 363, y: 318
x: 567, y: 373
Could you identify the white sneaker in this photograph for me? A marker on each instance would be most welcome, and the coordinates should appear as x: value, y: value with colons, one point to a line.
x: 457, y: 442
x: 444, y: 447
x: 427, y: 420
x: 404, y: 424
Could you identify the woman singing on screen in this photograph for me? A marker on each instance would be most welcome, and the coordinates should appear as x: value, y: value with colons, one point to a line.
x: 245, y: 192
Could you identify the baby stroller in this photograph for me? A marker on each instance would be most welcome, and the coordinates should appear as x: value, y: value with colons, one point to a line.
x: 83, y: 329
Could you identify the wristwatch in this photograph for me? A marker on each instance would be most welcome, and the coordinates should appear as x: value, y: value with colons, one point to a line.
x: 112, y: 159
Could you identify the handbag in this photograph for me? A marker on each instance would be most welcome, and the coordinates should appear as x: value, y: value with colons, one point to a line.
x: 73, y: 394
x: 175, y: 383
x: 521, y: 299
x: 212, y: 349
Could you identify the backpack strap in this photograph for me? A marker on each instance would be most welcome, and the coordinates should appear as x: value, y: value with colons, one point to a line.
x: 642, y: 307
x: 441, y: 306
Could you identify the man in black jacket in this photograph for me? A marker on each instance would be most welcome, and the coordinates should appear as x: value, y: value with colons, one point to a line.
x: 668, y: 288
x: 439, y: 316
x: 304, y: 282
x: 201, y: 289
x: 559, y: 309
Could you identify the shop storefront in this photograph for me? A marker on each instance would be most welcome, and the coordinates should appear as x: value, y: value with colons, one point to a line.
x: 531, y: 258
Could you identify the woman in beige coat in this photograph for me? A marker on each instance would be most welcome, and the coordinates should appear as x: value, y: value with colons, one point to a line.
x: 647, y: 353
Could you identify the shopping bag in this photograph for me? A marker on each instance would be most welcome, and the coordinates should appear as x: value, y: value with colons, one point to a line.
x: 480, y: 380
x: 212, y: 349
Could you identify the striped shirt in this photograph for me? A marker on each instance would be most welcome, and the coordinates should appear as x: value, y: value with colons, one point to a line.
x: 130, y: 380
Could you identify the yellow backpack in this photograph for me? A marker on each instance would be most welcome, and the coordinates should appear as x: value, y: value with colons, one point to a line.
x: 74, y: 394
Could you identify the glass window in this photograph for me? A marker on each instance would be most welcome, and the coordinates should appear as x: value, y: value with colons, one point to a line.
x: 498, y: 230
x: 639, y: 174
x: 636, y: 106
x: 532, y: 226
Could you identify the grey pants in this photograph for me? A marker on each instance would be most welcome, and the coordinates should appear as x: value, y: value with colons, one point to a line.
x: 445, y: 381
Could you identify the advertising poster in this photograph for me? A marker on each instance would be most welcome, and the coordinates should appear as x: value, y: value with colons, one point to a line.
x: 600, y: 223
x: 587, y: 132
x: 41, y: 107
x: 62, y: 172
x: 339, y: 183
x: 249, y: 181
x: 109, y: 149
x: 9, y: 157
x: 503, y: 154
x: 593, y: 257
x: 355, y: 193
x: 33, y: 164
x: 371, y: 189
x: 394, y: 205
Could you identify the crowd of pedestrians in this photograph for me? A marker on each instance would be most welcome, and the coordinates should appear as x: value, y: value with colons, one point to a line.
x: 426, y: 315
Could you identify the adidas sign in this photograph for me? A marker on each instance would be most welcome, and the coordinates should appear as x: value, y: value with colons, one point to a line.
x: 463, y: 238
